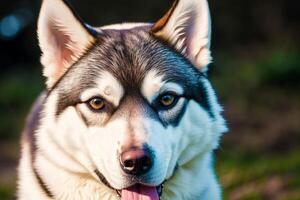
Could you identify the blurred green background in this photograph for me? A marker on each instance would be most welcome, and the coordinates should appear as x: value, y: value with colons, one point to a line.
x: 255, y: 72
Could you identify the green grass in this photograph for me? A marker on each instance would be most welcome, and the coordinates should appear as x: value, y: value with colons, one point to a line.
x: 17, y: 92
x: 250, y: 175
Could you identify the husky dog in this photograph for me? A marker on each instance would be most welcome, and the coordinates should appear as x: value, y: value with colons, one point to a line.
x: 128, y: 112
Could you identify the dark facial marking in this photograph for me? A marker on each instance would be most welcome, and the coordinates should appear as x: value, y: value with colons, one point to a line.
x: 174, y: 121
x: 129, y: 55
x: 29, y: 137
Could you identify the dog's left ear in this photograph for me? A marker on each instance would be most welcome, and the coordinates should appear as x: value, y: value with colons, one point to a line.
x: 187, y: 28
x: 63, y: 38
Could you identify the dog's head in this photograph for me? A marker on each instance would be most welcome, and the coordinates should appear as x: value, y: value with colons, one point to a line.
x: 128, y: 103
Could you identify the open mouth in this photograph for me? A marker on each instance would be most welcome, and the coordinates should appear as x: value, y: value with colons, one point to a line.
x: 135, y: 192
x: 141, y: 192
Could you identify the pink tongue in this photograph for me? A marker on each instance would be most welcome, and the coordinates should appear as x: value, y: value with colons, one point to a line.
x: 139, y: 192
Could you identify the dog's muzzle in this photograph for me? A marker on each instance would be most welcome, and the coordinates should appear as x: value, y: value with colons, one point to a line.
x: 136, y: 163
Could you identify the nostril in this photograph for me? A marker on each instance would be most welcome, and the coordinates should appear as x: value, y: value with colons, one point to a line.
x: 136, y: 161
x: 129, y: 164
x: 146, y: 162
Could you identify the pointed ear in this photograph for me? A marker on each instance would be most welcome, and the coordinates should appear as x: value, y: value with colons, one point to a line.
x: 63, y: 38
x: 187, y: 27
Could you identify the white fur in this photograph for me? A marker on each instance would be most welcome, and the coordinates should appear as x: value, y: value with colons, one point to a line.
x: 189, y: 145
x: 172, y: 87
x: 107, y: 87
x: 72, y: 172
x: 152, y: 84
x: 28, y: 187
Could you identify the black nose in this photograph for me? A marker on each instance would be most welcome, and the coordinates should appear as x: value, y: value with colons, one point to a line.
x: 136, y: 161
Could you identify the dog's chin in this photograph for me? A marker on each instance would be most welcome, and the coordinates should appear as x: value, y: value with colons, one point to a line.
x: 135, y: 190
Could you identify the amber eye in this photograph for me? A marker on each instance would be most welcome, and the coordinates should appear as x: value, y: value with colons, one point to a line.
x: 97, y: 103
x: 167, y: 100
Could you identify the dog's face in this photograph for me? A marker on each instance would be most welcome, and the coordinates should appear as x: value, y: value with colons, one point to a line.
x: 128, y: 103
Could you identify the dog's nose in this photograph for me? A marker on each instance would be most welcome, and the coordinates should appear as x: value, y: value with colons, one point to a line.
x: 136, y: 161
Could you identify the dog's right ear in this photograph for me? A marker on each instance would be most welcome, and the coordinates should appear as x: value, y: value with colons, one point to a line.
x: 63, y: 38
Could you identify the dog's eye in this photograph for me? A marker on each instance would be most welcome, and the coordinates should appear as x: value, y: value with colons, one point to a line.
x: 167, y: 100
x: 96, y: 103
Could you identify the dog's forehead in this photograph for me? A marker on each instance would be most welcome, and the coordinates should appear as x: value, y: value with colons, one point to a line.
x: 130, y: 54
x: 129, y: 57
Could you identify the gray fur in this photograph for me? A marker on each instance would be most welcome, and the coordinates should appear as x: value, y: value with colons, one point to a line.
x: 129, y: 55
